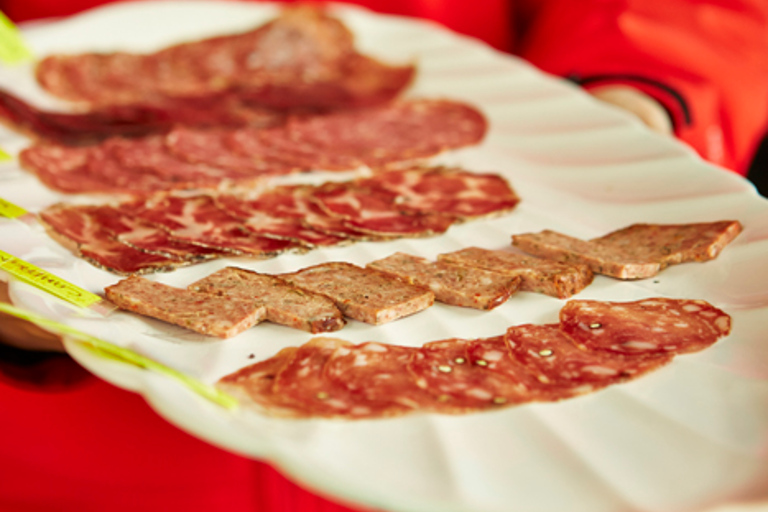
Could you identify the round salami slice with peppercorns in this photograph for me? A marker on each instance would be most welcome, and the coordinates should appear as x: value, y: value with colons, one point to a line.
x: 559, y: 369
x: 644, y: 327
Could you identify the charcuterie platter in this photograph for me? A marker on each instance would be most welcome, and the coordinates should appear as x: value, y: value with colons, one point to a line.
x: 688, y: 435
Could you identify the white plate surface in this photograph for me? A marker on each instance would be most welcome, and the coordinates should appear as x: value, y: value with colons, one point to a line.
x: 691, y: 436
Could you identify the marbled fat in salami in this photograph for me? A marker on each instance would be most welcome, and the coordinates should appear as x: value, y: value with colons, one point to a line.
x: 302, y: 383
x: 378, y: 371
x: 648, y: 326
x: 559, y: 369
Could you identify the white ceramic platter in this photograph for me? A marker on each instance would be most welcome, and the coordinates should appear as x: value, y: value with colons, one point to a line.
x: 690, y: 436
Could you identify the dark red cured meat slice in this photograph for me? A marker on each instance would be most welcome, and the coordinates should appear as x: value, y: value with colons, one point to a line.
x: 254, y: 385
x: 302, y: 58
x: 273, y: 213
x: 313, y: 216
x: 442, y: 368
x: 77, y: 231
x: 559, y: 369
x: 648, y: 326
x: 198, y: 220
x: 148, y: 238
x: 377, y: 213
x: 379, y: 372
x: 508, y: 380
x: 210, y: 148
x: 302, y: 383
x: 396, y: 132
x: 449, y: 191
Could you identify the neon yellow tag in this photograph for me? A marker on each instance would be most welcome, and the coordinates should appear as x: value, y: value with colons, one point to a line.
x: 122, y: 354
x: 13, y: 49
x: 4, y: 157
x: 47, y: 281
x: 10, y: 210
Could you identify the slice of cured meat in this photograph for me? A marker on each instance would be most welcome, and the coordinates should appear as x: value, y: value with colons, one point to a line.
x: 198, y: 220
x: 275, y: 213
x: 213, y: 315
x: 452, y: 284
x: 76, y: 230
x: 538, y: 275
x: 379, y: 372
x: 637, y: 251
x: 363, y: 294
x: 648, y: 326
x: 449, y: 191
x: 559, y: 369
x: 302, y: 58
x: 609, y: 261
x: 253, y: 385
x: 285, y: 304
x: 377, y: 213
x: 302, y: 383
x: 444, y: 369
x: 673, y: 243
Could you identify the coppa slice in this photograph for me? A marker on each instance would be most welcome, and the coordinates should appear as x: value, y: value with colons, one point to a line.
x: 558, y: 369
x: 285, y: 304
x: 649, y: 326
x: 302, y: 383
x: 223, y: 317
x: 254, y: 385
x: 451, y: 284
x: 363, y: 294
x: 378, y: 371
x: 449, y: 191
x: 637, y: 251
x: 537, y: 274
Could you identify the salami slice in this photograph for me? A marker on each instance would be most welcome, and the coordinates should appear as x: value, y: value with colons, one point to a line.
x: 223, y: 317
x: 254, y: 385
x: 377, y: 371
x: 363, y: 294
x: 302, y: 383
x: 443, y: 369
x: 285, y: 304
x: 561, y: 370
x: 450, y: 191
x: 538, y: 275
x: 452, y: 284
x: 648, y: 326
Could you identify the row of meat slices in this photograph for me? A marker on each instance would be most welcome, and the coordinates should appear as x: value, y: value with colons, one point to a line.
x: 319, y: 298
x: 216, y: 158
x: 166, y: 231
x: 595, y: 344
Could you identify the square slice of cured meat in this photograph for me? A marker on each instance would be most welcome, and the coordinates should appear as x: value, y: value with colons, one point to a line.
x: 285, y: 304
x: 538, y: 274
x: 559, y: 369
x: 302, y: 383
x: 648, y: 326
x: 208, y: 314
x: 363, y: 294
x: 452, y: 284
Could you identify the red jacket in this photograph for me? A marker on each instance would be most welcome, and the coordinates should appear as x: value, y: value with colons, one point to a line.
x: 86, y: 445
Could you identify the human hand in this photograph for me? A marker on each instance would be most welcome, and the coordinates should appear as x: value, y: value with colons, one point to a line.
x: 22, y: 334
x: 636, y: 102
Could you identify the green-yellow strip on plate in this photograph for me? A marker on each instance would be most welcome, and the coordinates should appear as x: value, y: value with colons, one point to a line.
x: 10, y: 210
x: 44, y: 280
x: 4, y: 157
x: 13, y: 49
x: 112, y: 351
